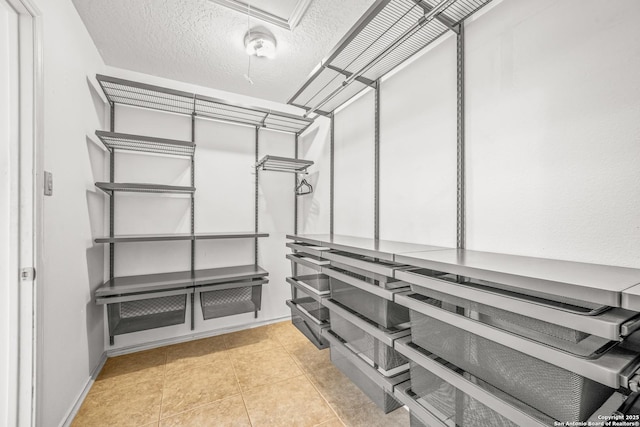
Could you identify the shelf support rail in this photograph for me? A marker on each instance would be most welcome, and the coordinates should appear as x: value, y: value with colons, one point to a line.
x: 460, y: 201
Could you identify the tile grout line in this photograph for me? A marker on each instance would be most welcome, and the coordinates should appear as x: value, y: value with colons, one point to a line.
x: 235, y: 374
x: 304, y: 372
x: 164, y: 379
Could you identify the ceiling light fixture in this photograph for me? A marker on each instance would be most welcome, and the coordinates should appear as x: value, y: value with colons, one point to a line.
x: 260, y: 44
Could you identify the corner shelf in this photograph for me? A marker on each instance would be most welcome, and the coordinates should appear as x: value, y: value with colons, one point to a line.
x: 111, y: 187
x: 283, y: 164
x: 145, y: 144
x: 179, y: 236
x: 389, y: 33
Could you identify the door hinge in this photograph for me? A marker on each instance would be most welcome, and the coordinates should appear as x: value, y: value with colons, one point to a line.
x: 27, y: 274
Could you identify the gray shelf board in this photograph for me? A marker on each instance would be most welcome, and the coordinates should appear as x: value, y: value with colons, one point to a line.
x: 110, y: 187
x: 144, y: 238
x: 179, y: 236
x: 381, y: 249
x: 600, y: 284
x: 145, y: 283
x: 284, y: 164
x: 223, y: 235
x: 151, y: 321
x: 631, y: 298
x: 128, y: 92
x: 227, y: 274
x: 177, y: 280
x: 146, y: 144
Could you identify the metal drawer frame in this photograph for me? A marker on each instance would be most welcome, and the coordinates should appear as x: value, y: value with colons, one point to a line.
x: 317, y: 266
x: 386, y: 337
x: 386, y: 383
x: 406, y: 347
x: 379, y: 291
x: 307, y: 248
x: 611, y: 324
x: 312, y: 329
x: 607, y: 369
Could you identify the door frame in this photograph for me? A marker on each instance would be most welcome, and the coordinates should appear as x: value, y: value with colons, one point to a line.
x: 28, y: 297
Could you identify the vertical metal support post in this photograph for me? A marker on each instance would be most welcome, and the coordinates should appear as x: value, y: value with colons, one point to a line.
x: 376, y: 174
x: 193, y: 220
x: 461, y: 215
x: 295, y: 184
x: 331, y: 175
x: 255, y: 253
x: 294, y: 266
x: 112, y: 202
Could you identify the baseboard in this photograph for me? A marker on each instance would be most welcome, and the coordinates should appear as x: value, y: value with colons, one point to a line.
x: 190, y: 337
x: 78, y: 403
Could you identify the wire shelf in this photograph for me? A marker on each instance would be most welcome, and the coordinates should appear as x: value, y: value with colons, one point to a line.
x: 127, y: 92
x: 283, y: 164
x: 111, y: 187
x: 146, y: 144
x: 391, y: 32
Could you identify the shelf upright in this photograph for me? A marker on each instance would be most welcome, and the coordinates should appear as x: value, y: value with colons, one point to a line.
x: 112, y: 169
x: 193, y: 212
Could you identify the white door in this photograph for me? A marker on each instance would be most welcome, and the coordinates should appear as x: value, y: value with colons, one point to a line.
x: 20, y: 146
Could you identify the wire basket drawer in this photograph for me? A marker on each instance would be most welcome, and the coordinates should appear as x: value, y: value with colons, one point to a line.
x: 217, y: 303
x: 561, y: 394
x: 564, y: 338
x: 148, y: 313
x: 372, y: 350
x: 378, y: 309
x: 455, y: 407
x: 384, y: 400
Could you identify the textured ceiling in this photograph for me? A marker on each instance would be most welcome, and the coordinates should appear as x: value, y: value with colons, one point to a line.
x: 200, y: 42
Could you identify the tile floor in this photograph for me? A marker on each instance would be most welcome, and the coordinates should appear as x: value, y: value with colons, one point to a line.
x: 267, y: 376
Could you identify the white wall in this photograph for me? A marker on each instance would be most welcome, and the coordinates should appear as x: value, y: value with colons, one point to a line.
x: 313, y: 209
x: 552, y: 135
x: 418, y: 149
x: 73, y: 266
x: 275, y: 200
x: 354, y: 167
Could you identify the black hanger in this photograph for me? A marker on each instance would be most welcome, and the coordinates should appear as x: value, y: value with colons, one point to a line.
x: 300, y: 188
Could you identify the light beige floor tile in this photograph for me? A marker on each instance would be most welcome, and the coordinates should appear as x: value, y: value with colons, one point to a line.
x: 134, y: 405
x: 249, y: 341
x: 331, y: 423
x: 194, y: 354
x: 308, y: 356
x: 287, y: 334
x: 342, y: 394
x: 370, y: 415
x: 293, y: 402
x: 130, y: 369
x: 195, y: 387
x: 227, y: 412
x: 255, y: 370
